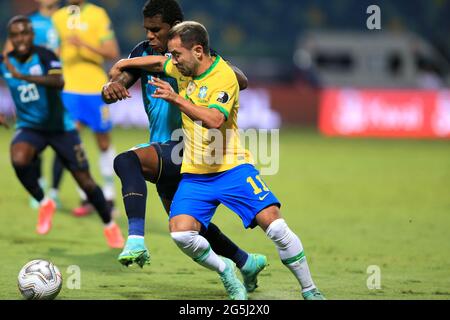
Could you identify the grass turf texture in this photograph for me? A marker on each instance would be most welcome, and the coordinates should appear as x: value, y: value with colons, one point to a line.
x: 354, y: 203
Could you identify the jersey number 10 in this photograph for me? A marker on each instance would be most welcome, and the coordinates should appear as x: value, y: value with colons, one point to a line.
x: 28, y: 93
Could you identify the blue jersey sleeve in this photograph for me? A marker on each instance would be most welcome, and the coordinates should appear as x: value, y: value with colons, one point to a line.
x: 49, y: 60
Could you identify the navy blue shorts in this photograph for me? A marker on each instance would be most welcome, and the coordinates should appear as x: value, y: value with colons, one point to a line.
x: 67, y: 145
x: 169, y: 175
x: 240, y: 189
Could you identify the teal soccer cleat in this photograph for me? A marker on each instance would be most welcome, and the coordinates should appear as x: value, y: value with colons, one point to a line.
x: 313, y: 294
x: 135, y: 251
x: 233, y: 286
x: 254, y: 265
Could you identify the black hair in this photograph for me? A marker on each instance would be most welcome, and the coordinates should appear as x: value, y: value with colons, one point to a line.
x: 191, y: 33
x: 17, y: 19
x: 170, y: 10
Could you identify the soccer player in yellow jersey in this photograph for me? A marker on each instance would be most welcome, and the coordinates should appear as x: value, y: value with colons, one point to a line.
x: 87, y: 39
x: 209, y: 101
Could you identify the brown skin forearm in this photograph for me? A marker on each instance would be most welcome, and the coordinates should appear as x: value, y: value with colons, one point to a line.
x: 116, y: 89
x: 55, y: 81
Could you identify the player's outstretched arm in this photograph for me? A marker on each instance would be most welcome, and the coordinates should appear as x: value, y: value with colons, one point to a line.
x: 148, y: 63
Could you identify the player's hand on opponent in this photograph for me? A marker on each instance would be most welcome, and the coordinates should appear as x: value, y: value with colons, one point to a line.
x: 3, y: 121
x: 163, y: 90
x: 114, y: 91
x: 14, y: 73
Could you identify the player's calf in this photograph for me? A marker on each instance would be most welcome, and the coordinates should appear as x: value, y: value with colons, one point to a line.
x: 292, y: 255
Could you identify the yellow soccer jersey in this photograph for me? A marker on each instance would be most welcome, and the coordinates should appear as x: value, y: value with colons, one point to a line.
x: 205, y: 150
x: 82, y: 68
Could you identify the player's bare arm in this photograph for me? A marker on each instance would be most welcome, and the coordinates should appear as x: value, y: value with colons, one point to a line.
x: 148, y: 63
x: 3, y: 121
x: 210, y: 118
x: 50, y: 80
x: 117, y: 88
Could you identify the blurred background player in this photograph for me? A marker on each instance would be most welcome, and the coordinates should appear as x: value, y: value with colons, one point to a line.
x: 87, y: 40
x: 34, y: 77
x: 45, y: 35
x: 143, y: 162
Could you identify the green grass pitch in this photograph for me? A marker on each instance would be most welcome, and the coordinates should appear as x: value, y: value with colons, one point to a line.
x: 353, y: 202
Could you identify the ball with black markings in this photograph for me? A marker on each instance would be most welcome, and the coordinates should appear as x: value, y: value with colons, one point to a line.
x: 39, y: 280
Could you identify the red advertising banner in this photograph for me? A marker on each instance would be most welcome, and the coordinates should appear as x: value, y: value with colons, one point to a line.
x: 385, y: 113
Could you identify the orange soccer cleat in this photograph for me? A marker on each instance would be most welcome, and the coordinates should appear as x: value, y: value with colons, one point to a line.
x: 114, y: 236
x: 84, y: 209
x: 46, y: 211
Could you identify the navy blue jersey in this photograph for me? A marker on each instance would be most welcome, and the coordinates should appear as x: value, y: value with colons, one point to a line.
x: 38, y: 107
x: 163, y: 118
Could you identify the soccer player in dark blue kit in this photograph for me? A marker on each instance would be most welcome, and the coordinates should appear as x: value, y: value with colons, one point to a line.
x: 152, y: 161
x: 34, y: 77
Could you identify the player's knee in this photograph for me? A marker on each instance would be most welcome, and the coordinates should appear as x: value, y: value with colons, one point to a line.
x: 279, y: 232
x: 184, y: 239
x: 19, y: 159
x: 124, y: 161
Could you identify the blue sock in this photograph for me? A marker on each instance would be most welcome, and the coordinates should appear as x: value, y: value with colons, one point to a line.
x: 223, y: 246
x: 134, y: 191
x: 136, y: 226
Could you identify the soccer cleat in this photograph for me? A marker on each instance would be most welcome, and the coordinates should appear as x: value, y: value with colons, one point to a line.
x: 233, y: 286
x: 254, y: 265
x: 114, y: 236
x: 83, y: 210
x: 313, y: 294
x: 46, y: 212
x: 135, y: 251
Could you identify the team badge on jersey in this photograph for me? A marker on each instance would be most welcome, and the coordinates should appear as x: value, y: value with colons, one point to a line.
x: 202, y: 93
x: 223, y: 97
x: 36, y: 70
x: 191, y: 88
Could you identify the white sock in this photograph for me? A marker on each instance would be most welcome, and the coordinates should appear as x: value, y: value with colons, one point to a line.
x: 43, y: 201
x: 109, y: 224
x: 291, y: 253
x: 199, y: 249
x: 53, y: 193
x: 106, y: 163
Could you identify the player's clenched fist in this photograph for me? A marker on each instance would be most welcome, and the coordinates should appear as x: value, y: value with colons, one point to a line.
x: 114, y: 91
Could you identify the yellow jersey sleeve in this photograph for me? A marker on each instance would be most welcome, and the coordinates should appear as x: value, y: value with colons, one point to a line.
x: 105, y: 29
x: 171, y: 70
x: 223, y: 98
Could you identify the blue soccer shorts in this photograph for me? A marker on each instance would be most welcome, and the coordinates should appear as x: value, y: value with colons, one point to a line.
x: 90, y: 110
x: 240, y: 189
x: 67, y: 146
x: 169, y: 172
